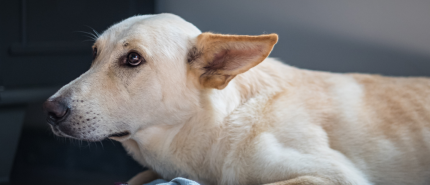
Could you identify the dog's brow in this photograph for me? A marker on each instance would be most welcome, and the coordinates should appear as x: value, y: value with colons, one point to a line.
x: 125, y: 44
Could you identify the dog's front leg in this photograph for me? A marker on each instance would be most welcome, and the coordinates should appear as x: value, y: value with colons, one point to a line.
x: 143, y: 177
x: 304, y: 180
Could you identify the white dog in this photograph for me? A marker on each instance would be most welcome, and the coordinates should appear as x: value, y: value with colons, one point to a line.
x: 214, y: 109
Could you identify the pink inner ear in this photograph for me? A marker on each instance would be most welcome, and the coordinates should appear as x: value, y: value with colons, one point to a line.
x: 232, y: 59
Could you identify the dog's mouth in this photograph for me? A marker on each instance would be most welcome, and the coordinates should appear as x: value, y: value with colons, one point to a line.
x: 120, y: 134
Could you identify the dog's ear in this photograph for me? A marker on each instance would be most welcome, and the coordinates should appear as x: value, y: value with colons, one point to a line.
x: 218, y: 58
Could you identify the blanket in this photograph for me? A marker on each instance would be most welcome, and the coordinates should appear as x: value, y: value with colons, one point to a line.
x: 175, y: 181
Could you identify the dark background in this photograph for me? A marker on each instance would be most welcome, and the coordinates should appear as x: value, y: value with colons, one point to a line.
x: 42, y: 48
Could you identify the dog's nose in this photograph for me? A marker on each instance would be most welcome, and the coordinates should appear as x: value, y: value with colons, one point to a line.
x: 56, y: 111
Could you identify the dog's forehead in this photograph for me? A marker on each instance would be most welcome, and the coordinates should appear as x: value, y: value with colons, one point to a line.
x: 149, y: 26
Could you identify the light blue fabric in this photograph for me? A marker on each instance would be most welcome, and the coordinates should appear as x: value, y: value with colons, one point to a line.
x: 175, y: 181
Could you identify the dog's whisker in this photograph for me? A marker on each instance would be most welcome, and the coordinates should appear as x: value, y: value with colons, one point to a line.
x: 112, y: 142
x: 88, y: 40
x: 102, y: 145
x: 89, y: 35
x: 95, y: 32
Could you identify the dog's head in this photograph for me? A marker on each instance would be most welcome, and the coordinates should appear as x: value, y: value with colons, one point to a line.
x: 149, y: 70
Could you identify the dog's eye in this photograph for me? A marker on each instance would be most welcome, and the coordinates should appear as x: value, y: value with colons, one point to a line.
x: 94, y: 53
x: 134, y: 59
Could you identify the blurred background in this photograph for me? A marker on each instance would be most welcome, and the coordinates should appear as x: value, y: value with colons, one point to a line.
x: 43, y: 47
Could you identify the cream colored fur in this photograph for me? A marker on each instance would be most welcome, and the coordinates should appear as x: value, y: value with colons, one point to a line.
x: 271, y: 124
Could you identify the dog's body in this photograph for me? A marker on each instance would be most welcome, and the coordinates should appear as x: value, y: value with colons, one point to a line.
x: 194, y: 110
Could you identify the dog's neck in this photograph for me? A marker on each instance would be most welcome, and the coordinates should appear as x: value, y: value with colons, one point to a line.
x: 206, y: 129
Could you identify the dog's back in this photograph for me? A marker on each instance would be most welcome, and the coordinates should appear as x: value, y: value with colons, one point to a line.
x: 385, y: 130
x: 380, y: 124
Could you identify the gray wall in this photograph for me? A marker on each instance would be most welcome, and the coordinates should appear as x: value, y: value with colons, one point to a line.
x: 389, y: 37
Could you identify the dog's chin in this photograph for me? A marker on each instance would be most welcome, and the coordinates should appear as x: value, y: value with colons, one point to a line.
x: 65, y: 133
x: 70, y: 133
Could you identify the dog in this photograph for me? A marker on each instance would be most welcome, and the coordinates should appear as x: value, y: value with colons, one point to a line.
x: 215, y: 109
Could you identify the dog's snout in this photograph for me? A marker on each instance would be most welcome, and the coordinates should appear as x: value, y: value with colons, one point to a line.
x: 56, y: 110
